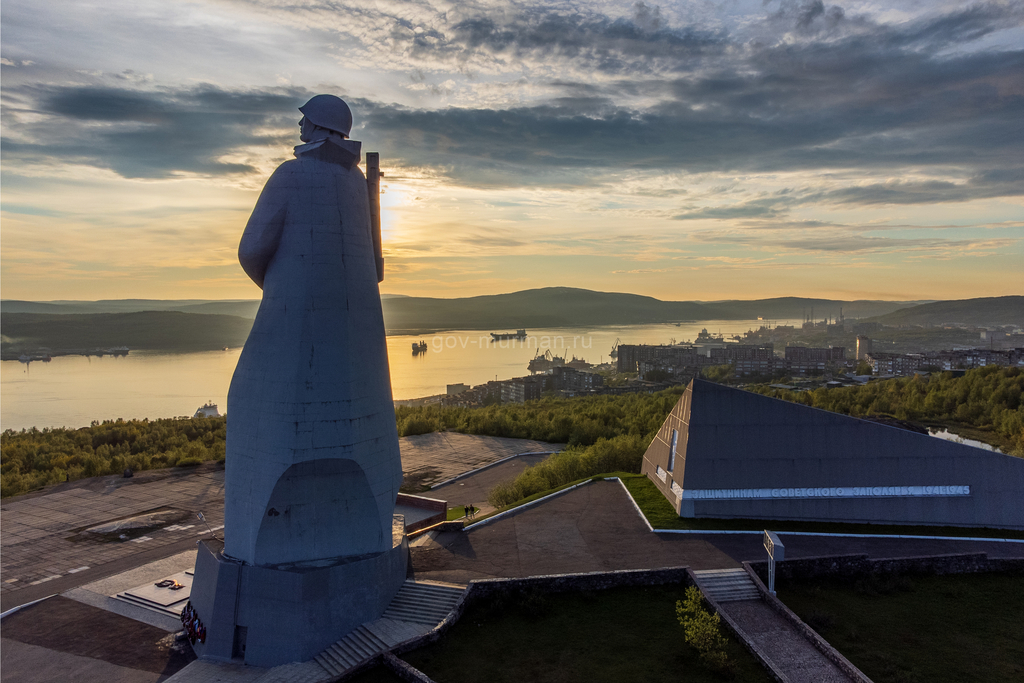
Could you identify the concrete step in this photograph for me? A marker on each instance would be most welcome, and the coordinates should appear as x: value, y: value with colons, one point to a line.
x: 352, y: 650
x: 726, y: 585
x: 416, y: 609
x: 173, y: 610
x: 423, y: 603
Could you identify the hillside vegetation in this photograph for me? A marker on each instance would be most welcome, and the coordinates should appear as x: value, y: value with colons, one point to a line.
x: 1000, y: 310
x: 602, y: 433
x: 33, y: 458
x: 987, y: 400
x: 149, y: 330
x: 619, y: 428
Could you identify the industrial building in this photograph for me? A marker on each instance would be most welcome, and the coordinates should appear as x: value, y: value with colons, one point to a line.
x: 728, y: 453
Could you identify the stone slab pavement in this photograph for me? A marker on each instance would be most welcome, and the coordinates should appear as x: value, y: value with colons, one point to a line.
x: 429, y: 459
x: 68, y: 631
x: 592, y: 528
x: 597, y: 528
x: 474, y: 489
x: 44, y: 549
x: 784, y: 646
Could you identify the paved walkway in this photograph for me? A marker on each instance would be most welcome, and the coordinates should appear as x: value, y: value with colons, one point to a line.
x: 783, y: 645
x: 475, y: 488
x: 737, y: 598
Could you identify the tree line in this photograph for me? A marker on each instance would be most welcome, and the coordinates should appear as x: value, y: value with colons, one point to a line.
x: 986, y: 399
x: 36, y: 457
x: 602, y: 433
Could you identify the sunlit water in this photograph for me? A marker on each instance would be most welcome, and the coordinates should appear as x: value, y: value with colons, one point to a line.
x: 950, y: 436
x: 73, y: 391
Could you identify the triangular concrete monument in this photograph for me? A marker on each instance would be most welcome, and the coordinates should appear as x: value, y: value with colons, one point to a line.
x: 728, y: 453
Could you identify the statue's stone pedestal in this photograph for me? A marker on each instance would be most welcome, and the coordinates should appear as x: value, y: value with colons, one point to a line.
x: 270, y: 616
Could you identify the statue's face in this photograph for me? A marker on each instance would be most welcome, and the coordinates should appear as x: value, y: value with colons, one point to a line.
x: 305, y: 128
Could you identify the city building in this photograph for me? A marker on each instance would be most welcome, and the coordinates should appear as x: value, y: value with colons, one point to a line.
x: 574, y: 382
x: 803, y: 360
x: 863, y: 347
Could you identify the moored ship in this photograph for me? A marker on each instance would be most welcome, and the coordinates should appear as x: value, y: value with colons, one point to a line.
x: 541, y: 363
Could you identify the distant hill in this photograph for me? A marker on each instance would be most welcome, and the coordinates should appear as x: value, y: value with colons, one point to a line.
x: 795, y: 308
x: 571, y: 307
x: 149, y: 330
x: 988, y: 311
x: 534, y: 308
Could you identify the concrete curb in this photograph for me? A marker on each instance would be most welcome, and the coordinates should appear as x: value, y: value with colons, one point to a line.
x: 27, y: 604
x: 404, y: 670
x: 449, y: 525
x: 812, y: 636
x: 805, y: 533
x: 488, y: 466
x: 631, y: 500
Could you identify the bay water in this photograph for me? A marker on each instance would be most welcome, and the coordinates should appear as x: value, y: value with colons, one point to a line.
x: 73, y: 391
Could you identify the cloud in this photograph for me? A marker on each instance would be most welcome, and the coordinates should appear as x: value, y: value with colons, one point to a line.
x: 855, y: 241
x: 154, y: 133
x: 845, y: 92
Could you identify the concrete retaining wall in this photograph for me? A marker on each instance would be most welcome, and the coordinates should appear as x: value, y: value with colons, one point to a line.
x: 483, y: 589
x: 857, y: 566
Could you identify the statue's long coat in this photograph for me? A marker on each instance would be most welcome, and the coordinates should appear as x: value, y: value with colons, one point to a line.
x: 313, y: 466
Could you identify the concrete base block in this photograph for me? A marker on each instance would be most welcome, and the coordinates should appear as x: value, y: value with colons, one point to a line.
x: 268, y: 616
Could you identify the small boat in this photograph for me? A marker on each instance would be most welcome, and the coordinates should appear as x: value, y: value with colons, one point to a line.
x: 419, y: 347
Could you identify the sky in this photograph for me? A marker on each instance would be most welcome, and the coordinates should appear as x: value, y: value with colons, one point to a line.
x: 698, y: 150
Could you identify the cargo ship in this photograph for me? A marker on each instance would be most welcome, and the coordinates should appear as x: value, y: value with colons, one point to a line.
x: 518, y: 334
x: 543, y: 363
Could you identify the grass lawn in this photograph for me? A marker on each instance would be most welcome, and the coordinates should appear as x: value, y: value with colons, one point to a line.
x: 661, y: 515
x: 618, y: 635
x: 378, y: 674
x: 935, y: 628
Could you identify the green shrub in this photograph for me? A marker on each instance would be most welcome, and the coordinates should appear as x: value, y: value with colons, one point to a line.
x: 702, y: 633
x: 618, y: 454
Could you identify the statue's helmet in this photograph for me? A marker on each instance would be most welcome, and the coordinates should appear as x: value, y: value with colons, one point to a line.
x: 328, y: 111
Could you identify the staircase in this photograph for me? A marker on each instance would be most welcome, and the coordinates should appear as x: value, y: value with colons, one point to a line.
x: 416, y: 609
x: 423, y: 603
x: 726, y: 585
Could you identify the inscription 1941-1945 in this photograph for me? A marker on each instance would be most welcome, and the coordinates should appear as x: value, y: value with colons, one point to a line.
x: 833, y: 492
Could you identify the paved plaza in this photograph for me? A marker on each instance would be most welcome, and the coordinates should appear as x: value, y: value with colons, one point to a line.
x: 48, y: 549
